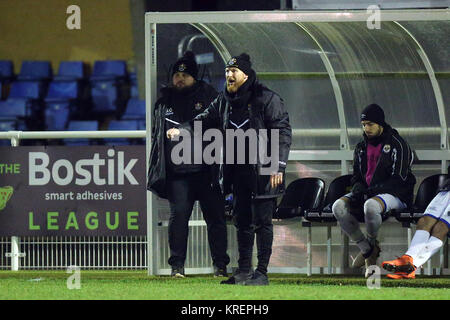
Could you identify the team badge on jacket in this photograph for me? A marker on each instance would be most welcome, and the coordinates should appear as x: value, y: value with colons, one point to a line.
x: 387, y: 148
x: 169, y: 112
x: 198, y: 106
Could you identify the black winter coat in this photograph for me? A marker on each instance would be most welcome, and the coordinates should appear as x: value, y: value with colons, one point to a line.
x: 266, y: 111
x: 198, y: 100
x: 393, y: 172
x: 446, y: 185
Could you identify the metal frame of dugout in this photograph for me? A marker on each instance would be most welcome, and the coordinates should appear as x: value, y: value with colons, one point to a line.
x: 200, y: 21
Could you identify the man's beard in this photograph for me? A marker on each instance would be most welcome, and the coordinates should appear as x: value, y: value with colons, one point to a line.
x: 182, y: 89
x: 234, y: 87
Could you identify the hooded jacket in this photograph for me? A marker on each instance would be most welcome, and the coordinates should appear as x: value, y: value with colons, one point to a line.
x: 393, y: 171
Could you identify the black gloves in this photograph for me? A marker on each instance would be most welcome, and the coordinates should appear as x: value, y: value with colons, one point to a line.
x: 359, y: 189
x: 374, y: 190
x: 358, y: 192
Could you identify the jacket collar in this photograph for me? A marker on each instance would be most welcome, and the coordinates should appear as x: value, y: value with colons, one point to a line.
x: 388, y: 131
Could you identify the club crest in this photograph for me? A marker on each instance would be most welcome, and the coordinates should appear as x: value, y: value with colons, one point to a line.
x: 387, y: 148
x: 232, y: 61
x: 5, y: 194
x: 198, y: 106
x: 182, y: 67
x: 169, y: 112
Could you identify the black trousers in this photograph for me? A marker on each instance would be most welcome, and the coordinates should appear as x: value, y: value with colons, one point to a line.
x: 252, y: 217
x: 183, y: 191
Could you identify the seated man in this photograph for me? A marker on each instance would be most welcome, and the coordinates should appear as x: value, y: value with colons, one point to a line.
x: 381, y: 181
x: 432, y: 229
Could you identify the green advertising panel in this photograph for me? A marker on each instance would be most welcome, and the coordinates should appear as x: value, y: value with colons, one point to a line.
x: 72, y: 191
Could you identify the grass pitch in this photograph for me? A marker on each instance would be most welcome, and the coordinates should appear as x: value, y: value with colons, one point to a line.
x: 136, y: 285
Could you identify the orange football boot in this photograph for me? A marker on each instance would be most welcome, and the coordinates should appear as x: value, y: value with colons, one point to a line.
x: 404, y: 264
x: 402, y: 275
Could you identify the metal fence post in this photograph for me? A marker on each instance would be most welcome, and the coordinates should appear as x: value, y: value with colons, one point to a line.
x: 15, y: 241
x: 15, y: 252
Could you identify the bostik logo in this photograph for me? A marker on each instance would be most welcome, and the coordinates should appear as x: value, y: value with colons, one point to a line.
x: 213, y: 152
x: 5, y: 194
x: 82, y: 172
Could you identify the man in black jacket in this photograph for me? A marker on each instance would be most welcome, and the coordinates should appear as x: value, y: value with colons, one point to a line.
x: 382, y: 181
x: 245, y: 106
x: 184, y: 183
x: 431, y: 233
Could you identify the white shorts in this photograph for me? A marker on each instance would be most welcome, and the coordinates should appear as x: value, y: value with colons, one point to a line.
x: 390, y: 202
x: 439, y: 207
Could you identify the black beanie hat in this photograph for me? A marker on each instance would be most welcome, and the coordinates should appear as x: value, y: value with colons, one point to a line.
x: 186, y: 64
x: 242, y: 62
x: 374, y: 113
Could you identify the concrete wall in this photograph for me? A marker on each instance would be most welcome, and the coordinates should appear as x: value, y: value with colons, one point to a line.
x: 36, y: 30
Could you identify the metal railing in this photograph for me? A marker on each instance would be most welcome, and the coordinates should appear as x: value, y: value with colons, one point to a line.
x: 133, y: 252
x: 61, y: 252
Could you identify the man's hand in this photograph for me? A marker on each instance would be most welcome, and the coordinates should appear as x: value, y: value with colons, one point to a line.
x: 172, y: 133
x: 375, y: 190
x: 276, y: 179
x: 359, y: 189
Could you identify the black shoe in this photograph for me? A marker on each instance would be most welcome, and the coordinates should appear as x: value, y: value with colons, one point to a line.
x: 238, y: 278
x: 220, y: 272
x: 258, y: 279
x: 177, y: 272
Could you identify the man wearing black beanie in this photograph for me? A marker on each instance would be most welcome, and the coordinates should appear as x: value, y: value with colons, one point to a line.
x: 184, y: 183
x: 382, y: 181
x: 246, y: 106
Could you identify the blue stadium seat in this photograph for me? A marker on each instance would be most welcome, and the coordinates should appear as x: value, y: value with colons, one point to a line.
x: 6, y: 76
x: 134, y: 90
x: 24, y: 111
x: 57, y: 115
x: 35, y: 71
x: 62, y: 90
x: 109, y: 69
x: 109, y: 87
x: 26, y: 89
x: 141, y: 124
x: 8, y: 125
x: 81, y: 126
x: 70, y: 71
x: 135, y: 109
x: 104, y: 96
x: 12, y: 109
x: 6, y: 70
x: 121, y: 125
x: 59, y: 104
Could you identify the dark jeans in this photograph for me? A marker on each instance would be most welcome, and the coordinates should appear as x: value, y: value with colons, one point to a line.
x: 182, y: 193
x: 252, y: 217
